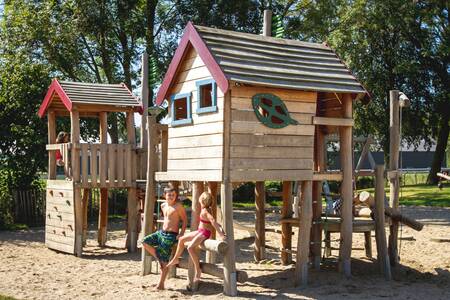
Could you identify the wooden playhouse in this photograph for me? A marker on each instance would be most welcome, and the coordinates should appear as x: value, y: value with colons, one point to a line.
x: 87, y: 165
x: 246, y: 107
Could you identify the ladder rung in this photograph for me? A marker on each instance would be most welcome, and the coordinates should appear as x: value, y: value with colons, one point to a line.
x: 159, y: 221
x: 160, y: 200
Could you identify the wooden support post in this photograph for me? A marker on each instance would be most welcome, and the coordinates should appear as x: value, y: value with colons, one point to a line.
x: 144, y: 99
x: 132, y: 233
x: 346, y: 154
x: 103, y: 203
x: 380, y: 234
x: 51, y: 116
x: 150, y: 196
x: 85, y: 211
x: 229, y: 260
x: 394, y: 182
x: 327, y: 249
x: 286, y: 228
x: 368, y: 244
x: 75, y: 139
x: 197, y: 190
x: 260, y: 224
x: 304, y: 230
x: 212, y: 189
x: 316, y: 231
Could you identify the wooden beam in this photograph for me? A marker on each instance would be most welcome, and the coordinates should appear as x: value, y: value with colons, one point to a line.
x: 260, y: 233
x: 212, y: 189
x: 197, y: 190
x: 382, y: 251
x: 51, y: 140
x: 229, y: 260
x: 316, y: 231
x: 286, y: 228
x: 333, y: 121
x: 329, y: 176
x: 301, y: 265
x: 394, y: 182
x: 103, y: 203
x: 75, y: 138
x: 144, y: 99
x: 150, y: 196
x: 214, y: 270
x: 132, y: 234
x: 346, y: 155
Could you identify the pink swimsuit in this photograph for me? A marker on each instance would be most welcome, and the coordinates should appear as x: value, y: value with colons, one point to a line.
x: 205, y: 232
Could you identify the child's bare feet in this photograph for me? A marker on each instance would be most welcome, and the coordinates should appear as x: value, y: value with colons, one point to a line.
x: 159, y: 287
x: 173, y: 262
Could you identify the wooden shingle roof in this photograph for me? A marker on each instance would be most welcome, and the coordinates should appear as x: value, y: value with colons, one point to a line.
x: 112, y: 97
x: 259, y: 60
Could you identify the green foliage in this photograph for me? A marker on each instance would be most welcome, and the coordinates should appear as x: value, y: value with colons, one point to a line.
x: 388, y: 44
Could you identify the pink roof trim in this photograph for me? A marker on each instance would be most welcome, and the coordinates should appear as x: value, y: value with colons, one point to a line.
x: 55, y: 87
x: 191, y: 37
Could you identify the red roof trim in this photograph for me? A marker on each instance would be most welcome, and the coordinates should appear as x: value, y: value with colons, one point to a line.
x: 191, y: 36
x: 55, y: 87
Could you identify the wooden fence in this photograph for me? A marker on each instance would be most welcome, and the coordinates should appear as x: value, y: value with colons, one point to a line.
x: 29, y: 207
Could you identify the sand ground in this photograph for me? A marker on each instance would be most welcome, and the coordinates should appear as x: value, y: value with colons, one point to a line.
x: 28, y: 270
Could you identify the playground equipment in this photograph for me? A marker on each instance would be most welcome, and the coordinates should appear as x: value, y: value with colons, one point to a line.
x: 88, y: 165
x: 243, y: 107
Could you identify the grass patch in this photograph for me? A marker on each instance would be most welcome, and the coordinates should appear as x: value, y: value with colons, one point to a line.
x: 116, y: 217
x: 422, y: 195
x: 6, y: 298
x: 413, y: 195
x: 12, y: 227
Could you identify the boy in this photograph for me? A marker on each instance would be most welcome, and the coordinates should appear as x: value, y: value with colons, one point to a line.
x: 159, y: 244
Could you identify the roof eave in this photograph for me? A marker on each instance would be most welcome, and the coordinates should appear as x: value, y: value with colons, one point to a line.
x: 55, y: 87
x: 191, y: 37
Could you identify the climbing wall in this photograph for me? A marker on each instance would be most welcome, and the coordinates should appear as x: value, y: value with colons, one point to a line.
x: 60, y: 216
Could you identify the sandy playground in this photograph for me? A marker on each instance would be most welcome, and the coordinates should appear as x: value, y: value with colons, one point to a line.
x: 28, y: 270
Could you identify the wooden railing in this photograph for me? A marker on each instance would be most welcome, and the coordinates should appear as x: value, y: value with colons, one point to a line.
x: 112, y: 165
x: 101, y: 165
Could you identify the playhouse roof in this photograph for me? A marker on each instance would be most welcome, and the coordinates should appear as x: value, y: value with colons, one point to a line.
x: 112, y: 97
x: 268, y: 61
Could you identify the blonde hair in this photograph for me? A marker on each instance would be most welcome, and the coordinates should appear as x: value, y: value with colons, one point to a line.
x: 206, y: 199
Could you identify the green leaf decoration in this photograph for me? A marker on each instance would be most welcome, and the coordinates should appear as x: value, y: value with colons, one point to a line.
x: 271, y: 111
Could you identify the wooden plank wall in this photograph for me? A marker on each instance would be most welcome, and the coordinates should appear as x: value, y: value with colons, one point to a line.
x: 258, y: 152
x: 196, y: 150
x: 60, y: 216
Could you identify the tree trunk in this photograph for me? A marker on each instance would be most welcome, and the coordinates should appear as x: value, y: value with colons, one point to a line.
x: 441, y: 145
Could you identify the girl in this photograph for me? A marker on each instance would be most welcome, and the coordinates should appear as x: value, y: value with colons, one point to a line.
x: 207, y: 223
x: 63, y: 137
